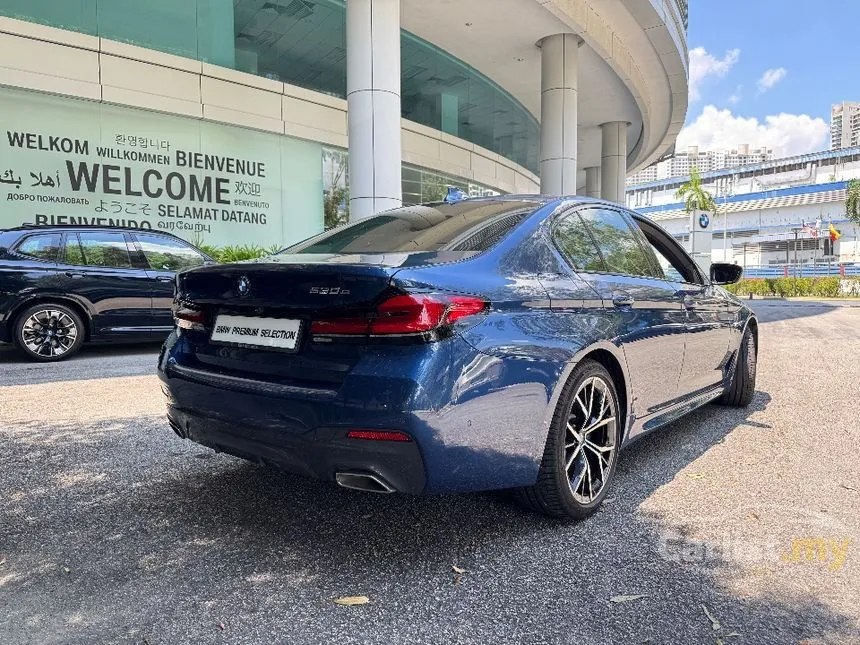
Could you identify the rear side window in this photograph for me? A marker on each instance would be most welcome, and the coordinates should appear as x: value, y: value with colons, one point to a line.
x: 465, y: 227
x: 574, y: 241
x: 98, y: 249
x: 618, y: 244
x: 45, y: 246
x: 165, y: 254
x: 487, y: 236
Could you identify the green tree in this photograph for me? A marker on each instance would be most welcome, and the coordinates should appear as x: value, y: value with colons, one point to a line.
x: 695, y: 197
x: 433, y: 187
x: 852, y: 201
x: 338, y: 191
x: 332, y: 200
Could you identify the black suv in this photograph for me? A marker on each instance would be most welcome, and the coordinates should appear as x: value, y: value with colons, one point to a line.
x: 61, y: 286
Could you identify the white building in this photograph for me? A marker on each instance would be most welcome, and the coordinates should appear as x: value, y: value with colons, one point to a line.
x: 844, y: 125
x: 682, y: 163
x: 509, y: 96
x: 762, y: 207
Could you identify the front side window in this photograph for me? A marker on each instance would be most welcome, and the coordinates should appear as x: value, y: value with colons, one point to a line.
x: 675, y: 264
x: 45, y: 246
x: 98, y: 249
x: 672, y: 274
x: 618, y: 244
x: 165, y: 254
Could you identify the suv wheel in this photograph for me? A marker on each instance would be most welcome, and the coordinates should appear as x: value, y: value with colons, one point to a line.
x: 582, y: 447
x: 49, y: 332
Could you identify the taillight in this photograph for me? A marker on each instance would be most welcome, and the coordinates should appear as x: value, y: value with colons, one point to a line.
x: 404, y: 315
x: 188, y: 318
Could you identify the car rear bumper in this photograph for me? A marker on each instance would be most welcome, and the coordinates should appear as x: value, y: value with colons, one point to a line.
x: 475, y: 422
x: 321, y: 453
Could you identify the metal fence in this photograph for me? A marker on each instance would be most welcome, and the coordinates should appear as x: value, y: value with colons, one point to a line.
x: 848, y: 269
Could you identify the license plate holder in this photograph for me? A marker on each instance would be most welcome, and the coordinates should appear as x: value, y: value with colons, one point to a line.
x: 258, y: 332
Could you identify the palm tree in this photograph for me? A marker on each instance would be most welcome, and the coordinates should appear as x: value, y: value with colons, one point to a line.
x: 852, y: 201
x: 695, y: 197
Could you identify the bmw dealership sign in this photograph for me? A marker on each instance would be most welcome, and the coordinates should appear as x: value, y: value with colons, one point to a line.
x: 701, y: 239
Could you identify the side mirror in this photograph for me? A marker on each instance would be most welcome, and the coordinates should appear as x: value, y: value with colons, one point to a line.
x: 724, y: 273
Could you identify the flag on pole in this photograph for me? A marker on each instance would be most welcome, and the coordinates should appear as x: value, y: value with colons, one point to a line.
x: 835, y: 233
x: 808, y: 228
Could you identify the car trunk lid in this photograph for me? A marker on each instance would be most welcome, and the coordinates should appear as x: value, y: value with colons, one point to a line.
x: 277, y: 292
x: 279, y: 286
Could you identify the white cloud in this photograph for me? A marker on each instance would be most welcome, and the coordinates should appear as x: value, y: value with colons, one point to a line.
x: 770, y: 78
x: 703, y: 64
x: 786, y: 134
x: 736, y: 97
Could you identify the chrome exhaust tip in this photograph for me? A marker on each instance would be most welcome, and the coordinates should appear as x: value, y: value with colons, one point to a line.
x: 367, y: 482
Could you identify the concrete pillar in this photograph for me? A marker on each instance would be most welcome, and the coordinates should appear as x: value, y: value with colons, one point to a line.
x: 613, y: 161
x: 592, y: 181
x: 558, y: 113
x: 373, y: 105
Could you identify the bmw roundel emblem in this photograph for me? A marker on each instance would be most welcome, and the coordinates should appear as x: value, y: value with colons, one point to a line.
x: 704, y: 220
x: 243, y: 286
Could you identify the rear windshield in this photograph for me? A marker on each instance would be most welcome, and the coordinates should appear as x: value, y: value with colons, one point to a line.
x: 468, y: 227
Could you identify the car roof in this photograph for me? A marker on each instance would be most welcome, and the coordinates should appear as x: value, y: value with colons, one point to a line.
x: 575, y: 200
x: 542, y: 200
x: 83, y: 227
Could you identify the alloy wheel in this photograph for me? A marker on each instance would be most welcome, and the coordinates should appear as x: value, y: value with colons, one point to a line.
x: 49, y: 333
x: 590, y: 439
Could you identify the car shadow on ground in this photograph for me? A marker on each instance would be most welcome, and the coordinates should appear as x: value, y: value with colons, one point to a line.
x: 163, y: 545
x: 10, y: 354
x: 93, y: 361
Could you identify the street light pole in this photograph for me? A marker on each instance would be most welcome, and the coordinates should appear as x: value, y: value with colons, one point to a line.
x: 796, y: 265
x: 727, y: 189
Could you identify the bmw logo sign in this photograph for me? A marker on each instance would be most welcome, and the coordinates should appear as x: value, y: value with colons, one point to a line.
x: 243, y: 286
x: 704, y: 220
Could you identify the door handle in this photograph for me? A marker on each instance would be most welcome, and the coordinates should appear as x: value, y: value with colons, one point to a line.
x: 688, y: 297
x: 71, y: 274
x: 164, y: 278
x: 622, y: 299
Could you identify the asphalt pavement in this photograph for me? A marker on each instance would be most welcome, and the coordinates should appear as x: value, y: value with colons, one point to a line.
x: 729, y: 526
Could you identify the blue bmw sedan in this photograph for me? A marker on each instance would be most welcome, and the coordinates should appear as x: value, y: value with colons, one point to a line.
x: 513, y: 342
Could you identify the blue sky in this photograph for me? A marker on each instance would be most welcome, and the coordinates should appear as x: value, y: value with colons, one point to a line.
x: 765, y: 72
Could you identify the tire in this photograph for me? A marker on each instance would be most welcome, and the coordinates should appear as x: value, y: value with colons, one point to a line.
x: 561, y: 489
x: 739, y: 393
x: 49, y: 332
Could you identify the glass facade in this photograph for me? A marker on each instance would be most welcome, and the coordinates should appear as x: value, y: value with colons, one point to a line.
x: 303, y: 42
x: 419, y: 186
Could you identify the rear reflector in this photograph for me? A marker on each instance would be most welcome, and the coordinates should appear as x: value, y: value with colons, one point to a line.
x: 406, y: 314
x: 378, y: 435
x: 187, y: 318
